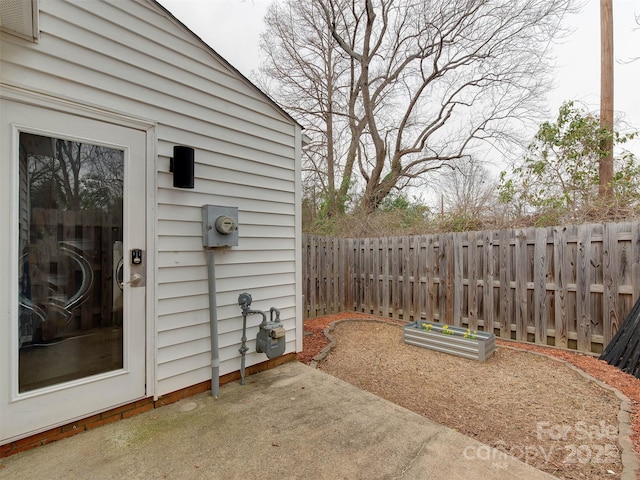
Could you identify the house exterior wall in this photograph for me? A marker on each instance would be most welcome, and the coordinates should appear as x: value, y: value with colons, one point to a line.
x: 133, y: 58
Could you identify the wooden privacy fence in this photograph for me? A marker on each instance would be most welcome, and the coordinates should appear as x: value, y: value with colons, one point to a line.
x: 569, y: 286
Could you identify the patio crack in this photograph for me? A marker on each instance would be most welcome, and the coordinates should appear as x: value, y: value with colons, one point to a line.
x: 408, y: 466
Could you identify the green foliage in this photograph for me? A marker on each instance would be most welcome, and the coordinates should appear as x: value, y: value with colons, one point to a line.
x: 397, y: 215
x: 460, y: 222
x: 507, y: 189
x: 394, y: 202
x: 558, y: 178
x: 626, y: 179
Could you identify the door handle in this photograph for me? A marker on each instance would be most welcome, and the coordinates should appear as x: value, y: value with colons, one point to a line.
x: 134, y: 281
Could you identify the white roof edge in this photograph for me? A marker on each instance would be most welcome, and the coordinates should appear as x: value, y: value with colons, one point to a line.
x: 220, y: 58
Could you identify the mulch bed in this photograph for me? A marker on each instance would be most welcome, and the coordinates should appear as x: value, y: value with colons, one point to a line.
x: 314, y: 341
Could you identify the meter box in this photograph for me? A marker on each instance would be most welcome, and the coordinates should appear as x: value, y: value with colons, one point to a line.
x: 219, y: 226
x: 271, y: 339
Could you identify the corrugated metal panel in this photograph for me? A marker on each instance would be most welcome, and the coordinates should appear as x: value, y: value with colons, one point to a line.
x: 131, y: 57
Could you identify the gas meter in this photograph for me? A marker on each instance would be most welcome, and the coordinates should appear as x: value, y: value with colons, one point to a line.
x: 271, y: 337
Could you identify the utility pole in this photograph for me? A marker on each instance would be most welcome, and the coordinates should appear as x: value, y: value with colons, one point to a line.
x: 606, y: 97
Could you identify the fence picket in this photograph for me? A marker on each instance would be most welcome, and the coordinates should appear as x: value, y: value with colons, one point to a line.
x: 487, y: 282
x: 505, y: 283
x: 418, y: 287
x: 540, y: 286
x: 377, y: 268
x: 394, y: 268
x: 458, y: 280
x: 367, y: 276
x: 430, y: 275
x: 472, y: 292
x: 560, y: 292
x: 356, y: 285
x: 610, y: 274
x: 521, y: 285
x: 635, y: 260
x: 449, y: 277
x: 407, y: 287
x: 583, y: 274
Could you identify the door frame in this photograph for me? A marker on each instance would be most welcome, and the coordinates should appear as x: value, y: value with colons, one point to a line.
x: 52, y: 103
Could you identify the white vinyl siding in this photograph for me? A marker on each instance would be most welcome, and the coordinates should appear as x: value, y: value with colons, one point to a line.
x: 130, y: 57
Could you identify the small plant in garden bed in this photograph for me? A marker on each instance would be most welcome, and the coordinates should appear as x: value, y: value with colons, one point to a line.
x: 446, y: 331
x: 428, y: 327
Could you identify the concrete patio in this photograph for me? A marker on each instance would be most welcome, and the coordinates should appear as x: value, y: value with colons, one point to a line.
x: 289, y: 422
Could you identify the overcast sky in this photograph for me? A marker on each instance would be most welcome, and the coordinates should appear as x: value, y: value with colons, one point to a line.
x: 233, y: 27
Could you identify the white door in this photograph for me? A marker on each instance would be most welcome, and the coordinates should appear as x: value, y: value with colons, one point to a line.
x: 72, y: 293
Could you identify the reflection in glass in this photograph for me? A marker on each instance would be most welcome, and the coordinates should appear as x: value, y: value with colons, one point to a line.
x: 70, y: 316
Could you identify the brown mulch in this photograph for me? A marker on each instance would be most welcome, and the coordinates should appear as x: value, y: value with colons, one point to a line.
x: 530, y: 406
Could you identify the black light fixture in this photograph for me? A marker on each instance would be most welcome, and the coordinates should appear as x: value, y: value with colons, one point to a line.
x: 182, y: 166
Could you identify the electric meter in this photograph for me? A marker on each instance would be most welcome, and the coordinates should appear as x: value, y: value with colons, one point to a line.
x: 226, y: 224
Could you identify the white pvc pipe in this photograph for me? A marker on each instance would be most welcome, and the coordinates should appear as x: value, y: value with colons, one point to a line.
x: 213, y: 321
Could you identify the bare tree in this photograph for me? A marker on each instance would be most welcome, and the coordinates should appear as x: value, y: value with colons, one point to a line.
x: 633, y: 59
x: 305, y: 71
x: 467, y: 189
x: 415, y: 84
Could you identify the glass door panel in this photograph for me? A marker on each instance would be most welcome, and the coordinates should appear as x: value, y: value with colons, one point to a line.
x: 70, y: 242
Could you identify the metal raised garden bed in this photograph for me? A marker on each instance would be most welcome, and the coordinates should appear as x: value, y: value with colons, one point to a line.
x: 453, y: 340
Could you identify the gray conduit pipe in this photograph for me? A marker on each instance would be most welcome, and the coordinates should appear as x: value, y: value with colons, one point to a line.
x: 243, y: 348
x: 213, y: 321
